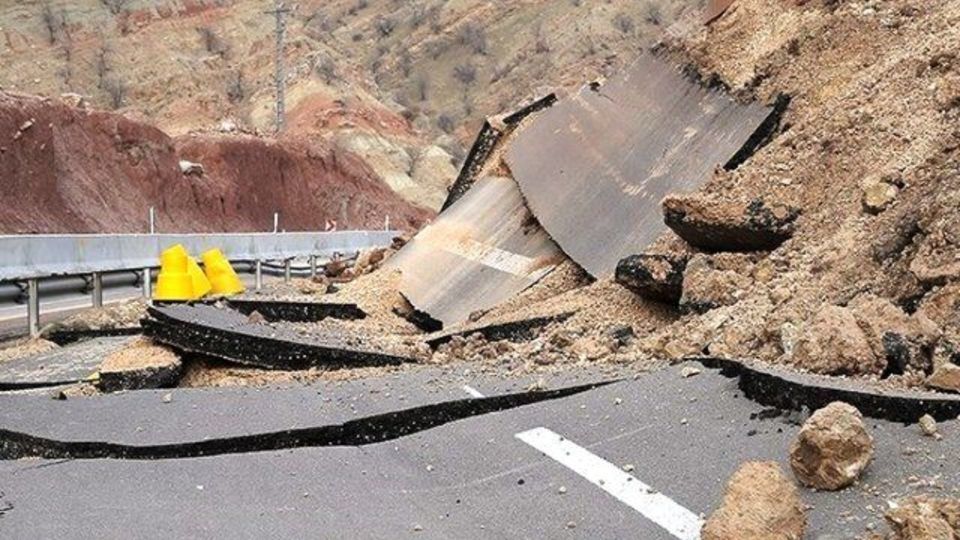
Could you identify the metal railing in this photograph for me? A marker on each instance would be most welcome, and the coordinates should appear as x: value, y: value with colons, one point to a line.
x: 30, y: 258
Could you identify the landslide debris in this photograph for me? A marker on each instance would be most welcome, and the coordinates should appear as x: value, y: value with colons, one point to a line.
x: 924, y: 518
x: 832, y: 448
x: 719, y: 224
x: 760, y: 503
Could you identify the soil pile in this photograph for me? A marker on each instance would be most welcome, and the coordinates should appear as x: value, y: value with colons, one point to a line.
x: 873, y: 99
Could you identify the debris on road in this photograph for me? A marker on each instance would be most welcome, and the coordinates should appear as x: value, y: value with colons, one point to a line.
x: 760, y: 503
x: 924, y: 518
x: 928, y: 426
x: 832, y: 448
x: 689, y: 371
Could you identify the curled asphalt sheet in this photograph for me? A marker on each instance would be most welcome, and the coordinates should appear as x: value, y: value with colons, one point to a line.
x: 69, y: 364
x: 594, y: 167
x: 479, y: 252
x: 228, y: 334
x: 474, y: 478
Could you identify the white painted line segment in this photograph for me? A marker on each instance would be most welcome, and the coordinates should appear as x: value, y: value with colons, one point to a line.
x: 472, y: 391
x: 655, y: 506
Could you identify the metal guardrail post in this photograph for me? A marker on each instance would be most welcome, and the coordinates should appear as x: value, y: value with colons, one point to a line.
x: 97, y: 289
x: 287, y: 263
x: 313, y: 266
x: 258, y: 275
x: 147, y: 284
x: 33, y: 307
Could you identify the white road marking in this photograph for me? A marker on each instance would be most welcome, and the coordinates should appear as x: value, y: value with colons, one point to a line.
x: 472, y: 391
x: 656, y: 507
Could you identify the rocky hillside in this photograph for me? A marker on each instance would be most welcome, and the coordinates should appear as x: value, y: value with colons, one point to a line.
x: 402, y: 84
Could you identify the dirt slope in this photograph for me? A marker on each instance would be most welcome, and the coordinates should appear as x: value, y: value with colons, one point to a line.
x: 66, y: 169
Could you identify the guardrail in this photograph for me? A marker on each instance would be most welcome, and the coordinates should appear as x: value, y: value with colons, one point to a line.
x: 33, y: 257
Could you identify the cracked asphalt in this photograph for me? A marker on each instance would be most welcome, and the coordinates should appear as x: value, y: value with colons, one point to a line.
x: 469, y: 478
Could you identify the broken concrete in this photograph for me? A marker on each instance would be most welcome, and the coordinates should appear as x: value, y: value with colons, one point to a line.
x: 760, y: 503
x: 714, y: 224
x: 140, y: 364
x: 519, y: 330
x: 670, y: 132
x: 354, y: 432
x: 62, y: 365
x: 832, y: 448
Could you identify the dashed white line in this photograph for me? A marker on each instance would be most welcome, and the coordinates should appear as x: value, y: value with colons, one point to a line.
x: 655, y: 506
x: 472, y: 391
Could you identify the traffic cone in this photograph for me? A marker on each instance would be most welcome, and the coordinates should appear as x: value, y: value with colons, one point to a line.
x: 198, y: 280
x: 173, y: 282
x: 223, y: 278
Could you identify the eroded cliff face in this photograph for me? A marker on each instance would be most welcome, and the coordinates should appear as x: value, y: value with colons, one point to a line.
x: 68, y: 169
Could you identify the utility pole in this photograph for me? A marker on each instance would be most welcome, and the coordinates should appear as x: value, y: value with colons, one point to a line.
x: 280, y: 13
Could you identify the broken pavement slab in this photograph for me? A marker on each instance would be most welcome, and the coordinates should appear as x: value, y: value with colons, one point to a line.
x: 230, y: 335
x: 297, y: 310
x: 65, y: 365
x: 481, y: 251
x: 791, y: 390
x: 594, y: 166
x: 653, y: 276
x: 138, y: 365
x: 185, y: 423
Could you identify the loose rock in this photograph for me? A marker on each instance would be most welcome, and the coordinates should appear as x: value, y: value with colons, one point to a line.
x: 928, y: 426
x: 924, y: 518
x: 715, y: 224
x: 656, y: 277
x: 832, y: 448
x: 712, y: 281
x: 834, y: 344
x: 760, y: 502
x: 946, y: 377
x: 878, y: 195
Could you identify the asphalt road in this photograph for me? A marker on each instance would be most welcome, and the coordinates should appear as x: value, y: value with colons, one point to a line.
x: 640, y: 458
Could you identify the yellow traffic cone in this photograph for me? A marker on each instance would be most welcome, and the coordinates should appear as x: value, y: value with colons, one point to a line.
x: 223, y: 278
x: 173, y: 282
x: 198, y: 280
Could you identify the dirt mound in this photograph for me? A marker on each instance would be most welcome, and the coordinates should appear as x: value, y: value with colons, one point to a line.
x: 74, y: 170
x: 760, y: 502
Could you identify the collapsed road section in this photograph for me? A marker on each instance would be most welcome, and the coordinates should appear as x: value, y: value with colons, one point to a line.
x: 224, y: 333
x: 481, y: 251
x: 594, y: 167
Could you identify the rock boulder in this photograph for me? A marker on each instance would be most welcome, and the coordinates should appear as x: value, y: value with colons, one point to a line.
x: 832, y: 448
